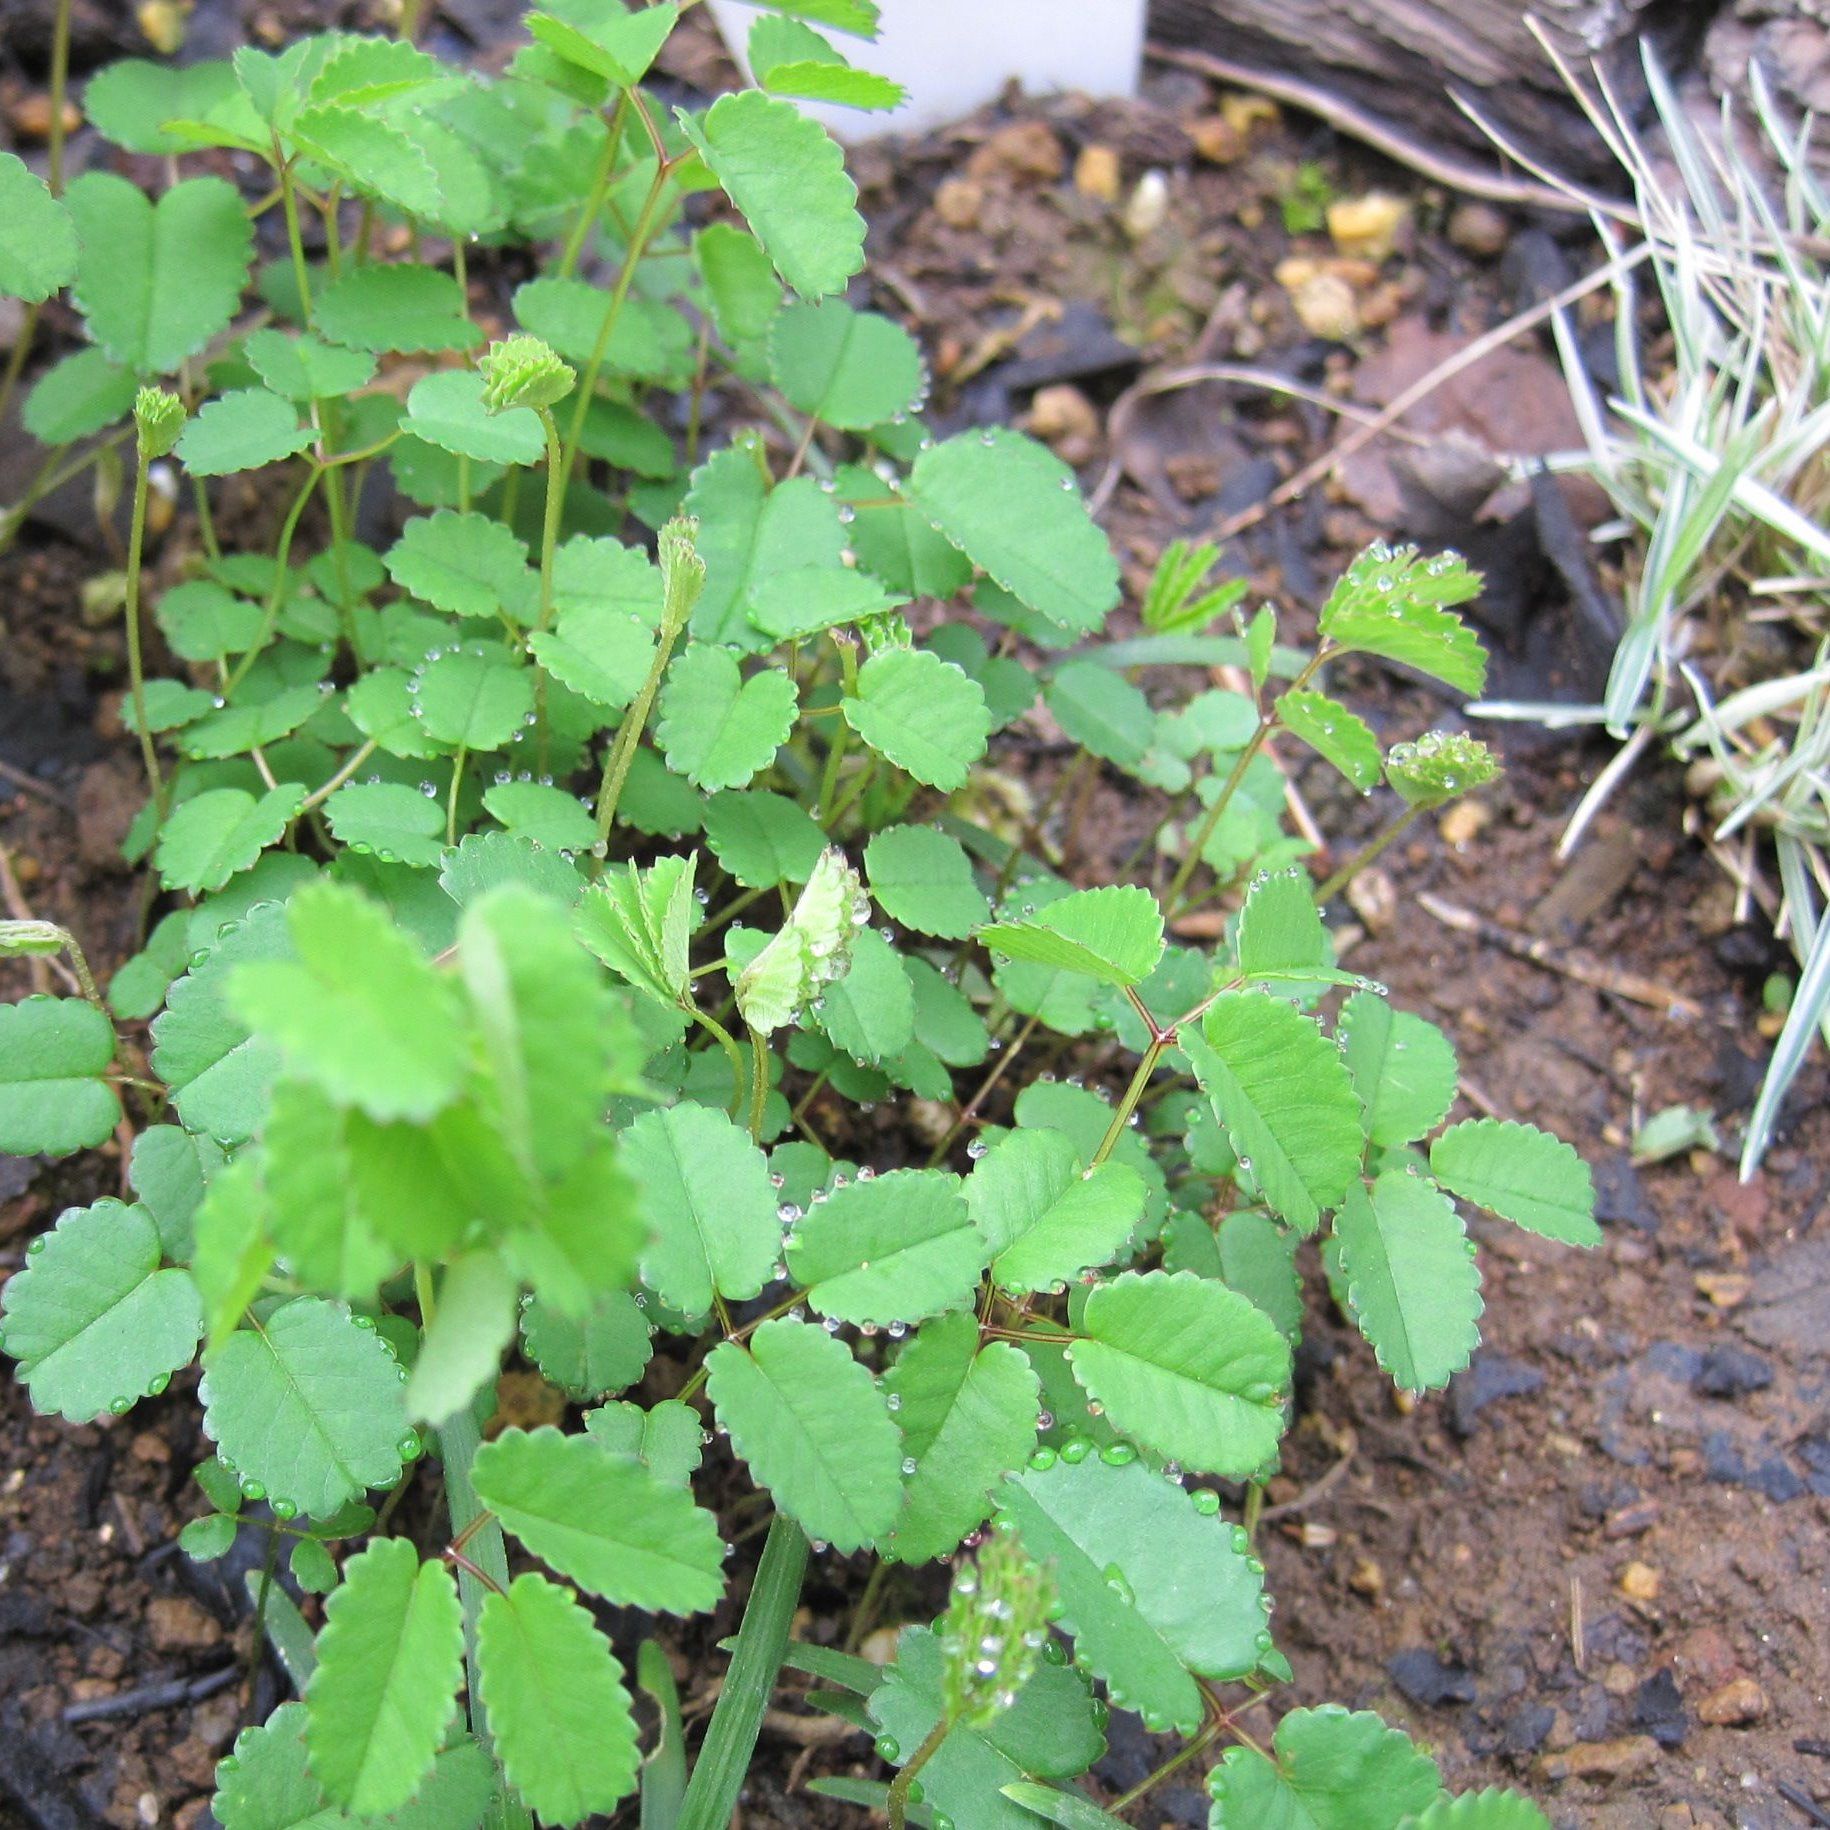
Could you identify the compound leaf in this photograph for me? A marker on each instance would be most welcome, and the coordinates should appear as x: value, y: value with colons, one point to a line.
x: 897, y: 1248
x: 710, y: 1209
x: 360, y: 1010
x: 1334, y: 733
x: 92, y: 1320
x: 603, y: 1520
x: 54, y: 1100
x: 1114, y: 934
x: 1010, y: 505
x: 557, y: 1707
x: 1155, y: 1588
x: 813, y: 1427
x: 1412, y: 1281
x: 1331, y: 1771
x: 307, y: 1406
x: 968, y: 1416
x: 717, y: 728
x: 1284, y: 1098
x: 1393, y: 603
x: 926, y: 715
x: 1187, y: 1367
x: 787, y: 176
x: 1522, y: 1174
x: 157, y: 281
x: 390, y: 1655
x: 1046, y: 1218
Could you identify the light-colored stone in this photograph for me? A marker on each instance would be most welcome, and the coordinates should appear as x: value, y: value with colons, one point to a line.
x: 1097, y: 174
x: 1738, y: 1704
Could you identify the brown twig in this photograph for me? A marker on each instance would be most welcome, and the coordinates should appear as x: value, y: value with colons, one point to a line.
x: 1318, y: 1489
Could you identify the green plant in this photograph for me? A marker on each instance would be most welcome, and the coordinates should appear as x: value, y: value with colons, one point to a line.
x: 521, y: 893
x: 1714, y: 462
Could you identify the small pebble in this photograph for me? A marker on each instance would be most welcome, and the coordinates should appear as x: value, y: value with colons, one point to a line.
x: 1738, y: 1704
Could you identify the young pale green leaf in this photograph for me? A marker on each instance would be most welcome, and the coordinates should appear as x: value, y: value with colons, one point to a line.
x: 665, y: 1438
x: 463, y: 1345
x: 389, y: 1659
x: 92, y: 1320
x: 814, y: 1429
x: 37, y: 238
x: 820, y: 80
x: 1393, y: 604
x: 1011, y: 506
x: 1046, y: 1218
x: 476, y: 697
x: 54, y: 1100
x: 129, y: 101
x: 1284, y: 1099
x: 617, y: 45
x: 1101, y: 711
x: 205, y: 622
x: 558, y: 1712
x: 1328, y: 1770
x: 307, y: 1407
x: 1050, y: 1730
x: 968, y: 1417
x: 897, y: 1248
x: 360, y: 1010
x: 157, y: 282
x: 603, y: 1520
x: 921, y: 712
x: 1334, y: 733
x: 850, y: 369
x: 555, y: 1049
x: 222, y: 831
x: 1412, y: 1280
x: 389, y: 819
x: 446, y: 409
x: 640, y: 924
x: 1403, y: 1068
x: 591, y: 1355
x: 762, y: 839
x: 787, y: 176
x: 307, y: 368
x: 1186, y: 1367
x: 869, y: 1010
x: 1439, y: 766
x: 1522, y: 1174
x: 469, y: 564
x: 242, y: 431
x: 316, y: 1217
x: 1153, y: 1584
x: 923, y: 879
x: 717, y: 728
x: 1488, y: 1810
x: 1114, y: 934
x: 395, y: 308
x: 1280, y: 928
x: 811, y: 949
x: 710, y: 1209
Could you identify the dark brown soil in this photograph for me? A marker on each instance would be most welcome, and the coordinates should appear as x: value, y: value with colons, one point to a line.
x: 1611, y: 1529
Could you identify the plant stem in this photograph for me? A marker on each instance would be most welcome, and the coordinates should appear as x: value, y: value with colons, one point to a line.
x: 60, y: 82
x: 841, y: 737
x: 295, y: 241
x: 15, y: 362
x: 451, y: 803
x: 724, y: 1756
x: 898, y: 1802
x: 759, y: 1084
x: 629, y: 733
x: 1189, y: 1750
x: 136, y: 667
x: 600, y: 186
x: 1122, y: 1117
x: 356, y: 759
x: 282, y: 552
x: 733, y: 1053
x: 1365, y: 856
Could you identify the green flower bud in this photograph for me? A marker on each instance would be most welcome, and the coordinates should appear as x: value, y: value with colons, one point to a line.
x: 1439, y: 766
x: 24, y: 939
x: 523, y: 372
x: 158, y: 418
x: 993, y: 1632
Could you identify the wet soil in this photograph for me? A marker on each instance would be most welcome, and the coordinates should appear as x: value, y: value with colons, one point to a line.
x: 1597, y: 1567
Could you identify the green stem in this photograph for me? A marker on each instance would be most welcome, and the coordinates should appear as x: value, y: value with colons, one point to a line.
x: 1126, y: 1106
x: 15, y: 362
x: 759, y: 1084
x: 289, y: 200
x: 282, y: 553
x: 355, y: 761
x: 600, y: 187
x: 629, y: 733
x: 835, y: 751
x: 549, y: 541
x: 136, y: 667
x: 1365, y: 856
x: 457, y: 776
x: 898, y: 1802
x: 60, y: 83
x: 727, y: 1042
x: 762, y: 1641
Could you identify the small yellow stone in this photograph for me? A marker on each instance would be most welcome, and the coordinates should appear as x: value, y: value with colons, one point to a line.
x: 1367, y: 226
x: 1096, y: 173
